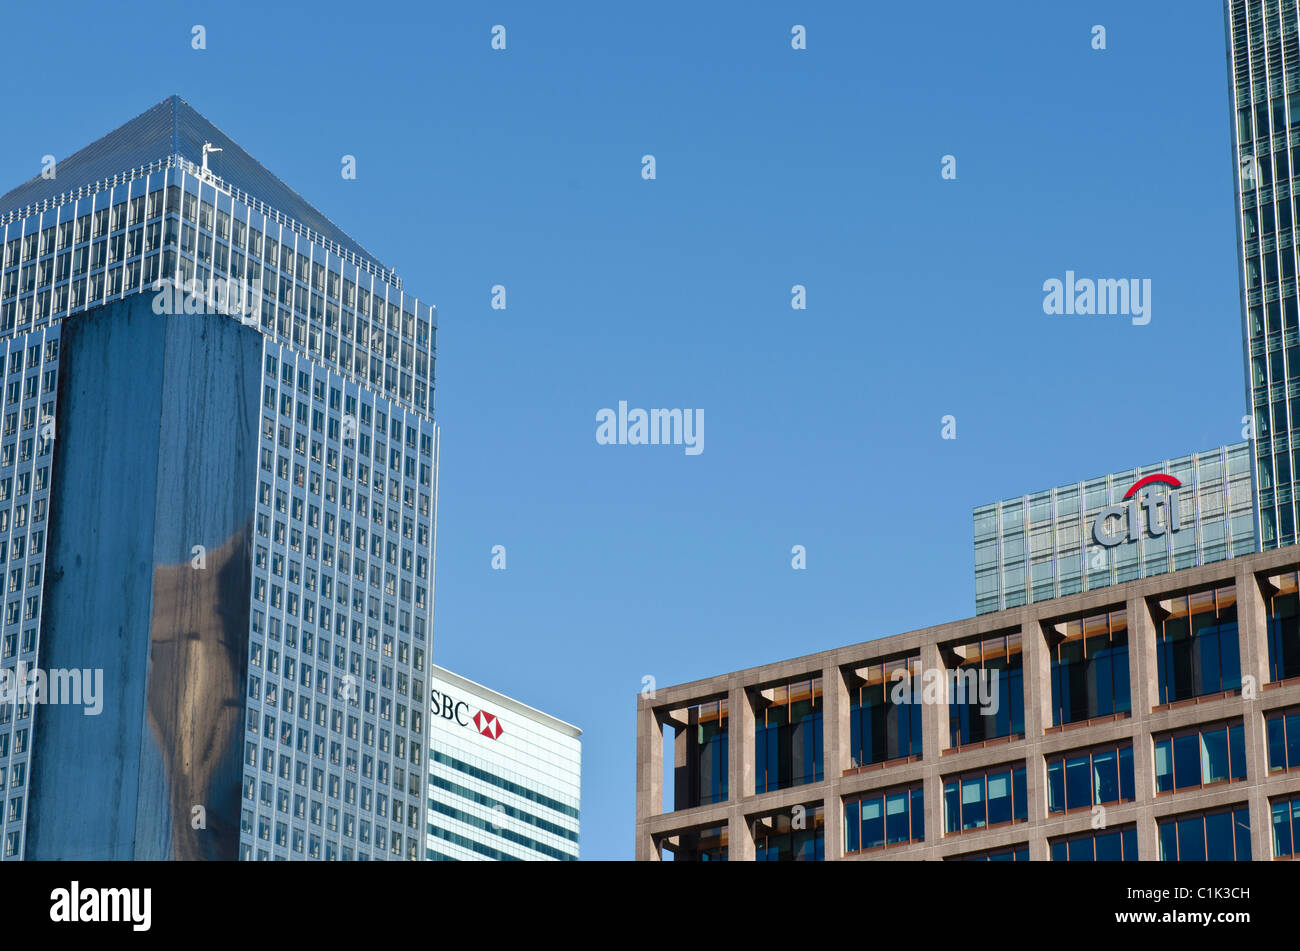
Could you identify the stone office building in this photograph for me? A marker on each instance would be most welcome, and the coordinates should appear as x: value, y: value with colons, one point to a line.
x: 1154, y: 719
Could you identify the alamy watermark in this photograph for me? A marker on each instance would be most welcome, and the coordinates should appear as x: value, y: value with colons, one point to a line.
x: 76, y: 904
x: 655, y: 427
x: 224, y: 296
x: 1103, y: 297
x: 974, y: 687
x: 26, y: 686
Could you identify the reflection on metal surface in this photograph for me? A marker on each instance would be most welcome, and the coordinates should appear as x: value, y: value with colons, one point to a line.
x: 195, y: 707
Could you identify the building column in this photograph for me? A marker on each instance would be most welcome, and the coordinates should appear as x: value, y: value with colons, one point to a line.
x: 740, y: 770
x: 1252, y: 638
x: 1036, y: 667
x: 835, y: 744
x: 1038, y: 676
x: 740, y: 839
x: 1143, y: 694
x: 649, y: 775
x: 934, y: 739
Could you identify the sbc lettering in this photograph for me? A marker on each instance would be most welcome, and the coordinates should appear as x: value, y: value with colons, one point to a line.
x: 449, y: 708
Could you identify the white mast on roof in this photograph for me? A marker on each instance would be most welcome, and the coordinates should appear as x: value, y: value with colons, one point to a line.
x: 208, y: 147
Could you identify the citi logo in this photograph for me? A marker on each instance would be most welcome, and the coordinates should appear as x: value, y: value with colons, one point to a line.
x: 1107, y: 530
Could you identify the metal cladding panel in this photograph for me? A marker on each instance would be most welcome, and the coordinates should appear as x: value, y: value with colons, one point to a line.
x: 240, y: 169
x: 174, y: 127
x: 155, y: 454
x: 144, y: 139
x: 99, y: 572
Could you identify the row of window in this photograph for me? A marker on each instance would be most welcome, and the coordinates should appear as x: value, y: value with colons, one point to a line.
x: 391, y: 616
x: 312, y: 847
x: 390, y: 365
x: 1197, y: 654
x: 198, y: 231
x: 297, y: 808
x: 373, y: 803
x: 878, y: 821
x: 60, y: 255
x: 330, y: 456
x: 1185, y: 759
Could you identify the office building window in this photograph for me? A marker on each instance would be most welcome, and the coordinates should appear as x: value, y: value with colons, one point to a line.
x: 1090, y: 778
x: 791, y: 835
x: 1286, y: 827
x: 995, y: 796
x: 702, y: 779
x: 879, y: 820
x: 788, y: 735
x: 706, y: 844
x: 1014, y: 853
x: 1089, y: 667
x: 885, y: 712
x: 1282, y: 729
x: 1221, y: 835
x: 1196, y: 645
x: 1112, y: 845
x: 1284, y: 628
x: 1200, y: 756
x: 986, y: 698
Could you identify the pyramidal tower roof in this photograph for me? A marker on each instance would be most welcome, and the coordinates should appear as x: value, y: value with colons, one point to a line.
x: 174, y: 127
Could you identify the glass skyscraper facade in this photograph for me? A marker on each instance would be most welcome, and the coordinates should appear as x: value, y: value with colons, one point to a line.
x: 31, y: 370
x: 1046, y: 545
x: 333, y: 555
x: 1264, y: 85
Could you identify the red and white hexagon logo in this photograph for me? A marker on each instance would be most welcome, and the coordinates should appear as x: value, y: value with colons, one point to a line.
x: 487, y: 724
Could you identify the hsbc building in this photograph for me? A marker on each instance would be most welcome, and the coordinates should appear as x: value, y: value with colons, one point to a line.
x: 504, y: 778
x: 1151, y: 520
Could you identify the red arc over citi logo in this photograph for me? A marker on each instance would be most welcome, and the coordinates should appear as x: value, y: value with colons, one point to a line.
x: 1140, y: 494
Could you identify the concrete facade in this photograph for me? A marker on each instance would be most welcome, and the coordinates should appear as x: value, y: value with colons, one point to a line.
x: 656, y: 827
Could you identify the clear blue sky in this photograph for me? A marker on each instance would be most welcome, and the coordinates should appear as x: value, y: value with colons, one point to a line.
x: 775, y: 167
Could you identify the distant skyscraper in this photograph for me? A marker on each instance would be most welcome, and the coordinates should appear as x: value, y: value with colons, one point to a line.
x: 1264, y: 86
x: 222, y: 496
x: 504, y: 779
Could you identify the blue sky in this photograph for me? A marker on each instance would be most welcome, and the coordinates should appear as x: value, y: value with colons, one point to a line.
x: 774, y: 167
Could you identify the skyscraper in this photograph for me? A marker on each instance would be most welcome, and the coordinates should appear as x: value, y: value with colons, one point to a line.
x: 504, y: 778
x: 1264, y: 88
x: 218, y: 489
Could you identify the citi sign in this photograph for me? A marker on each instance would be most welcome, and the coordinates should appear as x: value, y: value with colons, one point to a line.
x: 1116, y: 524
x: 449, y: 708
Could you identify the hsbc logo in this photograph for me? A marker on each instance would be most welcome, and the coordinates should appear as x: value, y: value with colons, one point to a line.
x: 449, y: 708
x: 487, y: 724
x: 1116, y: 524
